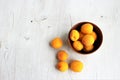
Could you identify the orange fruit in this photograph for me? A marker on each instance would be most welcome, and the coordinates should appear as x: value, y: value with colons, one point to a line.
x: 77, y: 45
x: 74, y: 35
x: 62, y: 55
x: 88, y: 48
x: 87, y: 28
x: 94, y: 35
x: 62, y: 66
x: 56, y: 43
x: 81, y: 35
x: 76, y: 66
x: 88, y: 40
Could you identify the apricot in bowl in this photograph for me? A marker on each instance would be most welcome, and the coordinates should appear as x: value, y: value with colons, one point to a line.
x: 90, y: 35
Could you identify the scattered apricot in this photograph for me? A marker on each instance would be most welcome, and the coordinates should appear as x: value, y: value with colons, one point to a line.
x: 62, y: 55
x: 88, y: 40
x: 76, y: 66
x: 56, y: 43
x: 87, y: 28
x: 62, y: 66
x: 74, y: 35
x: 77, y: 45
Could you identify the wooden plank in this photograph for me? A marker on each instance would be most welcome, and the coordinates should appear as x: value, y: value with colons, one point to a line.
x: 28, y: 26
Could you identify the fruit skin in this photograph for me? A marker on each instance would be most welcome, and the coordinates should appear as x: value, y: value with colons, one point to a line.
x: 94, y: 35
x: 88, y: 48
x: 56, y: 43
x: 77, y: 45
x: 62, y: 66
x: 87, y: 28
x: 88, y: 40
x: 81, y: 35
x: 62, y: 55
x: 74, y: 35
x: 76, y: 66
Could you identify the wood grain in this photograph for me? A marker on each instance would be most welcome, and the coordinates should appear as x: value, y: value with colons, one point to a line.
x: 27, y: 27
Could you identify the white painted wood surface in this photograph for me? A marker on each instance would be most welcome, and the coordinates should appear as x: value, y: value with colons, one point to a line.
x: 27, y: 27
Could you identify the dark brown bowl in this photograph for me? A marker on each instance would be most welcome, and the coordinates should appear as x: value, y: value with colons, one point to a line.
x: 97, y: 42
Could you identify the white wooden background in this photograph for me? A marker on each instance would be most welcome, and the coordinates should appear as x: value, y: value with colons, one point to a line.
x: 27, y: 27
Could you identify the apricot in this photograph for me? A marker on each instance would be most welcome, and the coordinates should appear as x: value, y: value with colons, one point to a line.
x: 77, y: 45
x: 87, y: 28
x: 62, y: 66
x: 74, y: 35
x: 62, y: 55
x: 81, y: 35
x: 94, y: 35
x: 56, y: 43
x: 88, y: 48
x: 88, y: 40
x: 76, y: 66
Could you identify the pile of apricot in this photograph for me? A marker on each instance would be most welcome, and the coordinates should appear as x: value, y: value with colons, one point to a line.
x: 84, y: 38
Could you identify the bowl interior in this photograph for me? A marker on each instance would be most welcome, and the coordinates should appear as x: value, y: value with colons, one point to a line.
x: 97, y: 43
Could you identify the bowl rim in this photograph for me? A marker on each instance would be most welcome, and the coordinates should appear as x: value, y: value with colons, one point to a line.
x: 77, y: 25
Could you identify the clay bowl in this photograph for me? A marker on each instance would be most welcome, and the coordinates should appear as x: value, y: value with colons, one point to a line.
x: 97, y: 42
